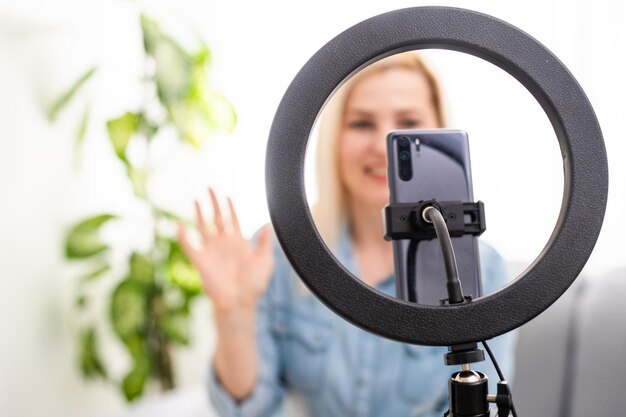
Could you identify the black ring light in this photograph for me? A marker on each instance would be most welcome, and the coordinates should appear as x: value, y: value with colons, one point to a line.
x: 549, y: 81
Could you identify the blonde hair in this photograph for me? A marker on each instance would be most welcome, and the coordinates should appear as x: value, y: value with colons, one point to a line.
x: 330, y: 211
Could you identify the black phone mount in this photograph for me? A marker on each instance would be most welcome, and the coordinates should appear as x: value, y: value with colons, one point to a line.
x: 406, y: 221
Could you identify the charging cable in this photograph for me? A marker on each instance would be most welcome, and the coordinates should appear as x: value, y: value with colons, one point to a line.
x: 455, y: 293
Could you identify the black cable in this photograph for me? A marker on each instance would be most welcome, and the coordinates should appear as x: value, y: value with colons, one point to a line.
x: 493, y: 360
x: 500, y: 375
x: 412, y: 271
x: 571, y: 351
x: 455, y: 292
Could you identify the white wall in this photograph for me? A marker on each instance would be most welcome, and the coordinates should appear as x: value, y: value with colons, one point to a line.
x: 258, y: 47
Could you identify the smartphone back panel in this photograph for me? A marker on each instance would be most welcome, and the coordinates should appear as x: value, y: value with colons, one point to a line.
x: 440, y: 169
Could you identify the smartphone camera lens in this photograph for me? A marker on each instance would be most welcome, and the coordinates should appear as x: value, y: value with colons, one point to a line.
x: 405, y: 169
x: 406, y: 173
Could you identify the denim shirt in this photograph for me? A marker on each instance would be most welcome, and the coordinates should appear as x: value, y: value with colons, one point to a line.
x: 335, y: 368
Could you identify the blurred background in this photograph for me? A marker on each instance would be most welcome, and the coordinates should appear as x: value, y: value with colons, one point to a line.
x: 93, y: 126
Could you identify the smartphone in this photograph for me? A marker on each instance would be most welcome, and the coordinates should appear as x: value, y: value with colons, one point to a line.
x: 426, y: 165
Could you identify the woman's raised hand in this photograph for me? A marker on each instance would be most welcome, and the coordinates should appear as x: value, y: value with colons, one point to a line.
x: 234, y: 273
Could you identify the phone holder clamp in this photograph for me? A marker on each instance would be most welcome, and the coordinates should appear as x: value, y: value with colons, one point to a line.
x: 405, y: 220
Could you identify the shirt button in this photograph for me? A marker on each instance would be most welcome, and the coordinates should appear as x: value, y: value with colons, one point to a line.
x: 361, y: 382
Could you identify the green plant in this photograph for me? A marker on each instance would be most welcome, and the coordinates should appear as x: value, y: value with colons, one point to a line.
x: 149, y: 307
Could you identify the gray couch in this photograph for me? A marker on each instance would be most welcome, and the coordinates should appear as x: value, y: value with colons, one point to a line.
x: 570, y: 360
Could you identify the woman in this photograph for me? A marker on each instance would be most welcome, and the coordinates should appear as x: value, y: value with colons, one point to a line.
x: 272, y: 335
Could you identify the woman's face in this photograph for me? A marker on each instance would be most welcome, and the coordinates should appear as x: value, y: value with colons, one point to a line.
x: 396, y: 98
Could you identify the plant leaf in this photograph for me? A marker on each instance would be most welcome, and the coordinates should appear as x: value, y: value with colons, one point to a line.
x: 81, y: 301
x: 120, y: 131
x: 138, y: 180
x: 181, y: 272
x: 190, y: 122
x: 96, y: 273
x: 173, y: 63
x: 129, y: 309
x: 192, y: 105
x: 147, y: 127
x: 150, y: 31
x: 80, y: 135
x: 141, y: 268
x: 82, y: 127
x: 90, y: 363
x: 134, y: 382
x: 172, y: 216
x: 220, y: 113
x: 67, y: 96
x: 173, y: 70
x: 175, y: 326
x: 202, y: 57
x: 203, y: 110
x: 136, y: 346
x: 83, y: 241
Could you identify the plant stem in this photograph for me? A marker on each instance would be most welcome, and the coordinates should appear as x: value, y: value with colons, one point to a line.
x: 159, y: 347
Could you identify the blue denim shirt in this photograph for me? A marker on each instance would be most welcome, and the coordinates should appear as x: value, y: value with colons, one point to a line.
x: 339, y: 370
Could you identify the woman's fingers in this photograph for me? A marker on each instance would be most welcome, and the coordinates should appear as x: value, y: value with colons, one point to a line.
x: 263, y: 258
x: 264, y: 242
x: 188, y: 248
x: 219, y: 220
x: 233, y: 218
x: 202, y: 226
